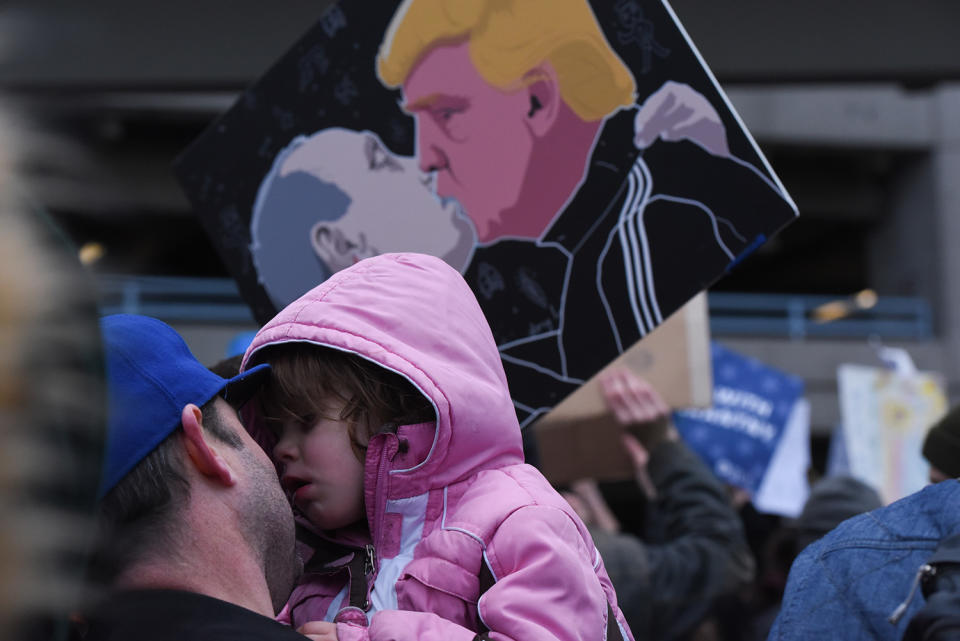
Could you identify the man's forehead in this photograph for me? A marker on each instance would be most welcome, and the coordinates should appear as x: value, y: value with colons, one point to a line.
x: 224, y: 408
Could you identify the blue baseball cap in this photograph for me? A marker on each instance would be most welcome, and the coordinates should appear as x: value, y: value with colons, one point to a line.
x: 151, y: 376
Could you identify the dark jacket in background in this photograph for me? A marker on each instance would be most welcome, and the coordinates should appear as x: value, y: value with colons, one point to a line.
x: 693, y: 550
x: 939, y: 618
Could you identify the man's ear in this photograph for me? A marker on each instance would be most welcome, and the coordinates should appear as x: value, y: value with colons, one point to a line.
x: 543, y: 92
x: 203, y: 457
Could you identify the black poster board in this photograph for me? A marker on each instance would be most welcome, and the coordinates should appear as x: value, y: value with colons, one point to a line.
x: 575, y: 160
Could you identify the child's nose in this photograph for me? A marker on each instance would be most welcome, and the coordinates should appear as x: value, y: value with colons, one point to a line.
x: 285, y: 450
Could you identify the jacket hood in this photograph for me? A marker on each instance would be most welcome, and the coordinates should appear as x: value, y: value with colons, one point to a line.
x: 415, y: 315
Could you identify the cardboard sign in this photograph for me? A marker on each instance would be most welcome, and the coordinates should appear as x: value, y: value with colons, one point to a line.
x: 885, y: 415
x: 580, y: 438
x: 575, y: 160
x: 739, y: 433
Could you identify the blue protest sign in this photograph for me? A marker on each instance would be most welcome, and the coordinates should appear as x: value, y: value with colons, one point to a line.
x: 738, y: 434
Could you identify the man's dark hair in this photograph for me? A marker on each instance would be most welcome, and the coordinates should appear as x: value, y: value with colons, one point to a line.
x: 228, y: 367
x: 139, y: 515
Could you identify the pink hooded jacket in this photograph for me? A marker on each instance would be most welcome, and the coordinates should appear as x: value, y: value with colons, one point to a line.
x: 444, y: 501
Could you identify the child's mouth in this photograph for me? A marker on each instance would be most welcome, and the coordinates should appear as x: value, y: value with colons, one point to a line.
x: 293, y: 487
x: 299, y: 492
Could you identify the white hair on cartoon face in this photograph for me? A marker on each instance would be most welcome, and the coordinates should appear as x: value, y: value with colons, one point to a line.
x: 341, y: 195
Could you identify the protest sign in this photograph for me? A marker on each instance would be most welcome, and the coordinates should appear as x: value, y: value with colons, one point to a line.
x: 580, y: 438
x: 885, y: 415
x: 575, y: 160
x: 784, y: 488
x: 752, y: 404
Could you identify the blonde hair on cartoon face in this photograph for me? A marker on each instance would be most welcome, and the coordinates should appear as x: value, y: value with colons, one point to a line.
x: 508, y: 39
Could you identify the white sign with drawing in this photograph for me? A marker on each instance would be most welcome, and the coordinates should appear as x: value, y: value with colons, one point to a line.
x: 885, y: 416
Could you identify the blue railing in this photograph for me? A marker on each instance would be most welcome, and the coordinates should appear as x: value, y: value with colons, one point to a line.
x: 216, y: 300
x: 793, y: 316
x: 206, y: 300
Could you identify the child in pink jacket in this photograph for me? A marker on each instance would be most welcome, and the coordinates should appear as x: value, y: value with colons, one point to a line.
x: 391, y: 423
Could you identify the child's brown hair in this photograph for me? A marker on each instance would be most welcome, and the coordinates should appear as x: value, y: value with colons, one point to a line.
x: 306, y: 376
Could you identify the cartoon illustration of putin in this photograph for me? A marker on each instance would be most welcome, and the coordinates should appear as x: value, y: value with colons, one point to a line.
x: 584, y: 244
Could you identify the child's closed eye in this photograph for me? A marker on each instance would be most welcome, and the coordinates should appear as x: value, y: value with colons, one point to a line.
x: 306, y: 422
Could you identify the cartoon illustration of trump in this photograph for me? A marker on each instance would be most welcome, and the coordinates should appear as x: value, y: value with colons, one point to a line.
x: 508, y: 100
x: 522, y: 108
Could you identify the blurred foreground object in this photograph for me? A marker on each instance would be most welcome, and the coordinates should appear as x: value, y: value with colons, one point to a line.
x: 51, y: 433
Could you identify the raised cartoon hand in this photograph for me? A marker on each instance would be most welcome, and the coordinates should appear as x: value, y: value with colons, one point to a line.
x: 676, y: 111
x: 319, y: 630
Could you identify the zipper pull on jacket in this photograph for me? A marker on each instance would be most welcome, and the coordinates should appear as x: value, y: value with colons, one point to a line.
x: 926, y: 570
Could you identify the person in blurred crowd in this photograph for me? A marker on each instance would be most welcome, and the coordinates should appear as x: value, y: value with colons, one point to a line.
x: 196, y: 536
x: 855, y: 582
x: 941, y: 447
x: 693, y: 549
x: 832, y: 500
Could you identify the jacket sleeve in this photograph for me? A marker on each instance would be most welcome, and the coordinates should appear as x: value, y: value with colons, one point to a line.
x: 546, y: 588
x: 696, y: 549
